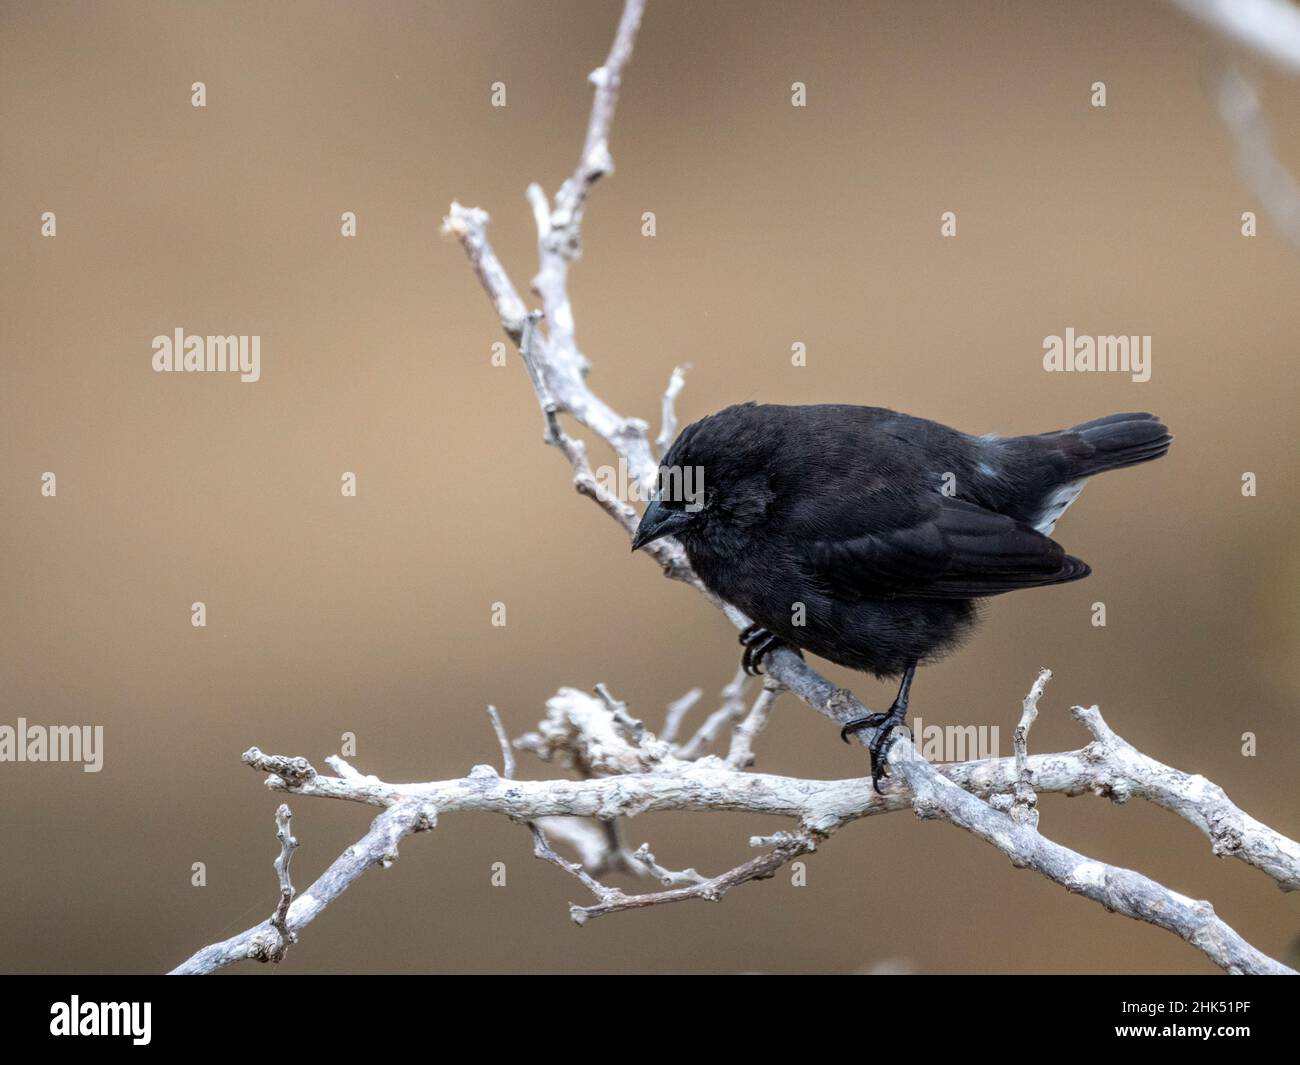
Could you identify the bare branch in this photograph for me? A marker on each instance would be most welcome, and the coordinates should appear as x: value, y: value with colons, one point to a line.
x: 542, y: 849
x: 741, y: 755
x: 710, y: 890
x: 1115, y: 768
x: 279, y: 919
x: 378, y: 847
x: 469, y: 226
x: 665, y: 876
x: 731, y: 710
x: 1269, y: 28
x: 507, y: 752
x: 631, y: 726
x: 597, y: 854
x: 677, y: 710
x: 1258, y: 167
x: 668, y: 415
x: 623, y: 779
x: 1024, y: 805
x: 1119, y: 890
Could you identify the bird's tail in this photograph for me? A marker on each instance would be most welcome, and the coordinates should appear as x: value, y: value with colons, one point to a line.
x: 1117, y: 441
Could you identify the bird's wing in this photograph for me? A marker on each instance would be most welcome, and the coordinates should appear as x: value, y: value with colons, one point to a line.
x: 955, y: 550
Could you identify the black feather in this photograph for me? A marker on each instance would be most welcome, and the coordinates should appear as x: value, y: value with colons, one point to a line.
x: 865, y: 536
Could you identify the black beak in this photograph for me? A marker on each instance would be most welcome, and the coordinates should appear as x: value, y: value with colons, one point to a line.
x: 658, y: 521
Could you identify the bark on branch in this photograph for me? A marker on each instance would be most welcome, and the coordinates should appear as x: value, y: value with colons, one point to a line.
x: 623, y: 770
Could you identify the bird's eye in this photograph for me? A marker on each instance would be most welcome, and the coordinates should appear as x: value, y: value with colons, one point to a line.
x: 681, y: 489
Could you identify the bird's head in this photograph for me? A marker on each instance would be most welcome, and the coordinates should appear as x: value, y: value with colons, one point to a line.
x: 713, y: 486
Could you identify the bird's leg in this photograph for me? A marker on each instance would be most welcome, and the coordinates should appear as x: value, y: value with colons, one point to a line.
x: 758, y: 642
x: 884, y: 724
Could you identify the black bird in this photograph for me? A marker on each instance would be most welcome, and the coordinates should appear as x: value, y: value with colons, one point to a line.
x: 864, y: 535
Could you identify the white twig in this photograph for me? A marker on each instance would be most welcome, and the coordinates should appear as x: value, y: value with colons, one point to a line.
x: 542, y: 849
x: 635, y: 729
x: 279, y: 919
x: 378, y: 847
x: 507, y: 752
x: 741, y: 754
x: 667, y: 877
x: 1258, y: 167
x: 1270, y: 28
x: 710, y: 890
x: 677, y: 710
x: 731, y: 710
x: 594, y: 855
x: 1024, y: 803
x: 1118, y: 890
x: 668, y: 416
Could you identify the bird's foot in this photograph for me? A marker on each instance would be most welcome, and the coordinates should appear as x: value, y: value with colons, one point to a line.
x: 884, y: 724
x: 758, y: 642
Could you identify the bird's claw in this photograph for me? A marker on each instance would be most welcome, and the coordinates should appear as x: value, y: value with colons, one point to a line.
x: 884, y: 724
x: 758, y: 642
x: 858, y: 724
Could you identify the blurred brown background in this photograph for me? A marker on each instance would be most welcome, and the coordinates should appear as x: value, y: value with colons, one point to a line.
x: 775, y: 225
